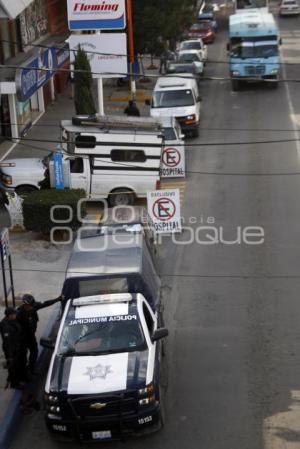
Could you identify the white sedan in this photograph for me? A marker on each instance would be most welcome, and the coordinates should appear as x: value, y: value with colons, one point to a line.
x: 289, y: 7
x: 194, y: 44
x: 191, y: 56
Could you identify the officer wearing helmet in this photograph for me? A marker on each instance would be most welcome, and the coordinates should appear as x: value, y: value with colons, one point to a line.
x: 13, y: 348
x: 28, y: 318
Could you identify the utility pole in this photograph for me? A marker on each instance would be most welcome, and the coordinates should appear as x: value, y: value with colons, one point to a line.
x: 131, y: 48
x: 100, y: 92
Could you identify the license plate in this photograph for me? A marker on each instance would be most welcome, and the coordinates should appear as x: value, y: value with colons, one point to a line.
x: 103, y: 435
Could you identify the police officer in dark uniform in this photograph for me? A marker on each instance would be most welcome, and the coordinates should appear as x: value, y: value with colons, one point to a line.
x: 28, y: 318
x: 13, y: 348
x: 132, y: 109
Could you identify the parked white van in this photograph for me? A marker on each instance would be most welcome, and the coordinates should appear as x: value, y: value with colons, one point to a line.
x: 178, y: 97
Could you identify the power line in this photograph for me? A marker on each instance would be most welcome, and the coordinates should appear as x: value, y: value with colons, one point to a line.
x: 192, y: 172
x: 202, y: 128
x: 125, y: 74
x: 206, y: 144
x: 76, y: 50
x: 179, y: 275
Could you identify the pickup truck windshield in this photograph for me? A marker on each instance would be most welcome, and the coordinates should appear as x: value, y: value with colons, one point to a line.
x: 173, y: 98
x: 189, y: 57
x: 101, y: 335
x: 190, y: 45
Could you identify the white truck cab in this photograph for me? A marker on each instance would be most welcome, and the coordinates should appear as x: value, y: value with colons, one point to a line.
x: 178, y: 97
x: 103, y: 381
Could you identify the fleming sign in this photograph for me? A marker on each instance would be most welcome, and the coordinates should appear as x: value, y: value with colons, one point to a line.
x: 96, y: 14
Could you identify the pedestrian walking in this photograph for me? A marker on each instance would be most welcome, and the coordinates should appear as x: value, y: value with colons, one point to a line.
x: 28, y: 318
x: 13, y: 348
x: 163, y: 62
x: 132, y: 109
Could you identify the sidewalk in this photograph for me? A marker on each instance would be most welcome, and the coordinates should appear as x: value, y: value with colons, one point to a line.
x: 48, y: 127
x: 39, y: 268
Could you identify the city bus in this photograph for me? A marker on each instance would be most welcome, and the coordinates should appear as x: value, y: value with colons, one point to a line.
x: 253, y: 48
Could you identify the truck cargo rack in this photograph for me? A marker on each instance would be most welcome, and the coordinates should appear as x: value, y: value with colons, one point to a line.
x: 117, y: 122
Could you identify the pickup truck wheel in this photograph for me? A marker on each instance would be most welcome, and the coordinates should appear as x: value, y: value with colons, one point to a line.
x: 121, y: 197
x: 23, y: 191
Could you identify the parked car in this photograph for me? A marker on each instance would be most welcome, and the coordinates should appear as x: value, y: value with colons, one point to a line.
x: 191, y: 56
x: 194, y: 44
x: 208, y: 17
x: 187, y: 68
x: 204, y: 31
x: 289, y: 8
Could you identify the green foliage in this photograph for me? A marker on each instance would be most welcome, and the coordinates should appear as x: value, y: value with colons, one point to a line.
x: 83, y: 84
x: 37, y: 208
x: 157, y: 21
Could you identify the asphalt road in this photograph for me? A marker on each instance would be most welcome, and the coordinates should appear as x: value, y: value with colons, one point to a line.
x: 232, y: 309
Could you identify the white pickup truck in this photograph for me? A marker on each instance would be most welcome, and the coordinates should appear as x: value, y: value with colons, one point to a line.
x: 116, y: 158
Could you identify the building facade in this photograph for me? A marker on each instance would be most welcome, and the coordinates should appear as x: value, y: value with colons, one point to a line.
x: 32, y: 48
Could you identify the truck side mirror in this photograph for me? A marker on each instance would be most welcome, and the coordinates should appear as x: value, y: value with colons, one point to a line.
x: 199, y: 98
x: 227, y: 46
x: 280, y: 41
x: 159, y: 334
x: 147, y: 102
x: 47, y: 343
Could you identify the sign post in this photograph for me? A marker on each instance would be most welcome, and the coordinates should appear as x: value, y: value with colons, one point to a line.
x: 97, y: 15
x: 164, y: 210
x: 173, y: 162
x: 5, y: 258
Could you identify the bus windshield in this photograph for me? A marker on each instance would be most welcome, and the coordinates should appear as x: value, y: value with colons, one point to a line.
x: 264, y: 49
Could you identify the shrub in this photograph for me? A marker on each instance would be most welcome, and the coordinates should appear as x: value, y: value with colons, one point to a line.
x: 37, y: 209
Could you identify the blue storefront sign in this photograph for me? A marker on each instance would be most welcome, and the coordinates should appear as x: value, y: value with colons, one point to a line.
x: 58, y: 171
x: 38, y: 70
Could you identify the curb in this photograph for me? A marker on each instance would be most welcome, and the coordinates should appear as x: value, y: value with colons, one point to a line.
x: 13, y: 416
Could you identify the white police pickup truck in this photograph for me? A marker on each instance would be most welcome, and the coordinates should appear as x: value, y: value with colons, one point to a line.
x: 103, y: 381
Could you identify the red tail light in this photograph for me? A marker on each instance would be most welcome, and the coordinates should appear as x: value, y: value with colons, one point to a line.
x: 157, y: 185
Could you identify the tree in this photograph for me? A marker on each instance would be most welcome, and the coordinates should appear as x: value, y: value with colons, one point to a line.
x: 83, y: 83
x: 157, y: 21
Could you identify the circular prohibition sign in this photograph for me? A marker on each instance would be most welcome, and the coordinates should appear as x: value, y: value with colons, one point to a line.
x: 164, y: 209
x: 171, y: 157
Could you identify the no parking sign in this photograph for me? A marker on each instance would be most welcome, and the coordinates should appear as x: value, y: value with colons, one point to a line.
x: 172, y: 162
x: 164, y: 210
